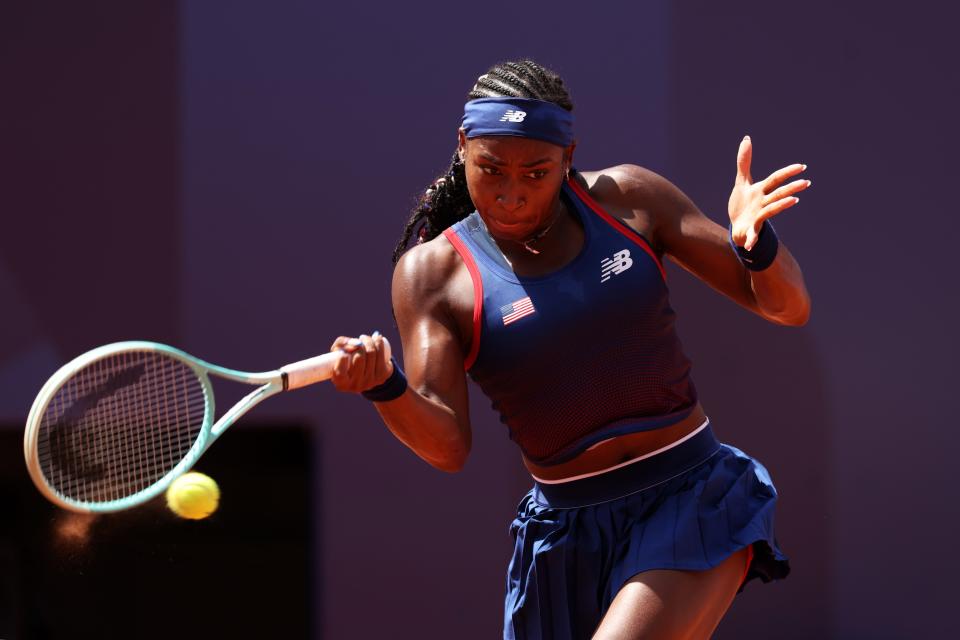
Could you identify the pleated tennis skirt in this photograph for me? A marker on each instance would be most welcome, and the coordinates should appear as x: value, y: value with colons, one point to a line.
x: 577, y: 543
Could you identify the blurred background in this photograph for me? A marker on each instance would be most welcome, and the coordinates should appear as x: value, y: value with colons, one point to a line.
x: 231, y: 178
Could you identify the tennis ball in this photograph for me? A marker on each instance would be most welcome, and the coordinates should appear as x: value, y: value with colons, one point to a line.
x: 193, y: 495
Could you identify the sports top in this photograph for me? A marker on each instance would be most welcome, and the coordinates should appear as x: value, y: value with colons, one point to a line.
x: 582, y: 354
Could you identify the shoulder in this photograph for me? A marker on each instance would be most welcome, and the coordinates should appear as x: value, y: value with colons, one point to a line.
x: 429, y: 265
x: 630, y: 185
x: 426, y: 269
x: 431, y: 288
x: 640, y: 198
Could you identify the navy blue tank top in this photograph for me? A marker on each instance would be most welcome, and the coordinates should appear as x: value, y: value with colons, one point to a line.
x: 582, y: 354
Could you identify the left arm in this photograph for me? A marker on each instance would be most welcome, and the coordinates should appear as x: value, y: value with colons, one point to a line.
x: 702, y: 247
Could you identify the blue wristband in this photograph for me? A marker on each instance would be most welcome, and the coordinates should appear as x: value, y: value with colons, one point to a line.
x: 391, y: 389
x: 764, y: 251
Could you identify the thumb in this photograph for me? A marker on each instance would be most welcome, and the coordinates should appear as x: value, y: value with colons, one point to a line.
x: 386, y: 352
x: 752, y: 237
x: 744, y: 156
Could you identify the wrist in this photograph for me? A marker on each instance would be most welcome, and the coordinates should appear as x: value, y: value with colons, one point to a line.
x: 391, y: 388
x: 764, y: 251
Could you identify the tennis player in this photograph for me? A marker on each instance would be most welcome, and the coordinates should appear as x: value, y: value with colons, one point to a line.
x: 545, y: 284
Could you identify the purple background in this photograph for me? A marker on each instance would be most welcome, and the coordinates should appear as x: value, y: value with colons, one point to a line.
x: 231, y: 178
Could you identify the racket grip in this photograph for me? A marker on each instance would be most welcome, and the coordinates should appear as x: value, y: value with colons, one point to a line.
x: 317, y: 369
x: 310, y: 371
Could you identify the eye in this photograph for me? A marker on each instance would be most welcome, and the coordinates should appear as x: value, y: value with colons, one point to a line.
x: 489, y: 170
x: 539, y: 173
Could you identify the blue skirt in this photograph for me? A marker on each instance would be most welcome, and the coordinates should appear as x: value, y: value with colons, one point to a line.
x: 577, y: 543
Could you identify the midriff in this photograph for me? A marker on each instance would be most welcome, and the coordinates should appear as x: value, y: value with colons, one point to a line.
x: 620, y: 449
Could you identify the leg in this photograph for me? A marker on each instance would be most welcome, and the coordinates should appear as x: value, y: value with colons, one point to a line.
x: 674, y: 605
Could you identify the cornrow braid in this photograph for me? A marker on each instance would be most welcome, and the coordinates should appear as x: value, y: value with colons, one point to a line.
x: 446, y: 200
x: 532, y: 80
x: 524, y: 79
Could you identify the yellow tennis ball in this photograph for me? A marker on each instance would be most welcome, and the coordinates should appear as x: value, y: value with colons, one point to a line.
x: 193, y: 495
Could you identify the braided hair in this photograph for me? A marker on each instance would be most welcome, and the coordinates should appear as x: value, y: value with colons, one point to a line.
x: 446, y: 200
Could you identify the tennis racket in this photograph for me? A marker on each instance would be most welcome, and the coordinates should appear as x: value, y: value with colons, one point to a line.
x: 115, y: 426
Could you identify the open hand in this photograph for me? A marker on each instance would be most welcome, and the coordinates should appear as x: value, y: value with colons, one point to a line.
x: 750, y: 204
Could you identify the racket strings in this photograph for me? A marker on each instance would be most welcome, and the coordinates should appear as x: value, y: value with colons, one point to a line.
x: 119, y: 425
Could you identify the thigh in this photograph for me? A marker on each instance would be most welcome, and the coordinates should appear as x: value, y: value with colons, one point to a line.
x: 673, y: 605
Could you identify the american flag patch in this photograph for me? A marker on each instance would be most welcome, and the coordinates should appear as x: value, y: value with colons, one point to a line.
x: 516, y: 310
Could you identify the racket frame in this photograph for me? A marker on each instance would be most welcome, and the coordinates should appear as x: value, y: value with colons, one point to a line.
x: 270, y: 383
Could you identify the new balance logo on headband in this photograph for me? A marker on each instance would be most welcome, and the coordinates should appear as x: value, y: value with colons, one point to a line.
x: 513, y: 116
x: 620, y: 262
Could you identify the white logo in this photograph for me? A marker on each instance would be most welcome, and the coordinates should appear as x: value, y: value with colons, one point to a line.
x: 620, y: 262
x: 513, y: 116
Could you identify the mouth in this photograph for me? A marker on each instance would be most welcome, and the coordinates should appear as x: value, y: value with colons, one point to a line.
x: 512, y: 230
x: 513, y: 225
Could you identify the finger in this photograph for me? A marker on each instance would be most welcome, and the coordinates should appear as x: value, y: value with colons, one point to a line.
x: 744, y: 158
x: 383, y: 363
x: 777, y: 207
x: 340, y: 368
x: 371, y: 361
x: 358, y: 362
x: 740, y: 234
x: 355, y: 370
x: 752, y: 236
x: 377, y: 357
x: 739, y: 239
x: 368, y: 344
x: 787, y: 190
x: 343, y: 343
x: 777, y: 177
x: 343, y: 374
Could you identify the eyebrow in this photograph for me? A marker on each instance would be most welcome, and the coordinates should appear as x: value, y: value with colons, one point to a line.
x: 497, y: 161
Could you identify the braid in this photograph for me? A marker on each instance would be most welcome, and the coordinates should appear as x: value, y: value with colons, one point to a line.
x: 523, y: 79
x: 444, y: 202
x: 531, y: 80
x: 447, y: 201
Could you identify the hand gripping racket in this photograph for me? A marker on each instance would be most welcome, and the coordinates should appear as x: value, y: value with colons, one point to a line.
x: 115, y: 426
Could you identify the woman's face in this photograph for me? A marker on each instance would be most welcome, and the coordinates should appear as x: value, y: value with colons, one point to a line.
x: 514, y: 182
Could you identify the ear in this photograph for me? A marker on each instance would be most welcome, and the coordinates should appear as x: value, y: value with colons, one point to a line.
x: 568, y: 157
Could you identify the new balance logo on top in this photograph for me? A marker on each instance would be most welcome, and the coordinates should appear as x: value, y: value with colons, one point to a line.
x: 513, y: 116
x: 620, y: 262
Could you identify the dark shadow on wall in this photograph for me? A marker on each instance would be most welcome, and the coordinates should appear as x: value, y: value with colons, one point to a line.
x: 244, y: 572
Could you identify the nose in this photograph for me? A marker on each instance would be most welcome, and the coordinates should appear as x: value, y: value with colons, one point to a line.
x: 510, y: 199
x: 509, y: 204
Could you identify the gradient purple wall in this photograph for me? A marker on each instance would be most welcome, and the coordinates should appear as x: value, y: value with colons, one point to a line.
x: 240, y: 172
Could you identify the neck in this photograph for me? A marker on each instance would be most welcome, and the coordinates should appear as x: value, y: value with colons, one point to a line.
x: 530, y: 244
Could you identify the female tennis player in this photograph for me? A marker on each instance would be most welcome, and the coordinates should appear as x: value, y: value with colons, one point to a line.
x: 545, y: 284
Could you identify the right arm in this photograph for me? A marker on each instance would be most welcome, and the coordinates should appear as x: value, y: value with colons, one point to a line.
x: 431, y: 417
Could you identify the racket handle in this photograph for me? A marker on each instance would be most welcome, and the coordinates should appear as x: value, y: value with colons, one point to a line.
x: 319, y: 368
x: 310, y: 371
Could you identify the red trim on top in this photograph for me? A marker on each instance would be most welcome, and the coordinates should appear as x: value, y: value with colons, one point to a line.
x: 616, y: 224
x: 468, y: 260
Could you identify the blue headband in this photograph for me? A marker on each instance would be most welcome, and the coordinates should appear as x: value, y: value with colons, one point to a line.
x: 522, y: 117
